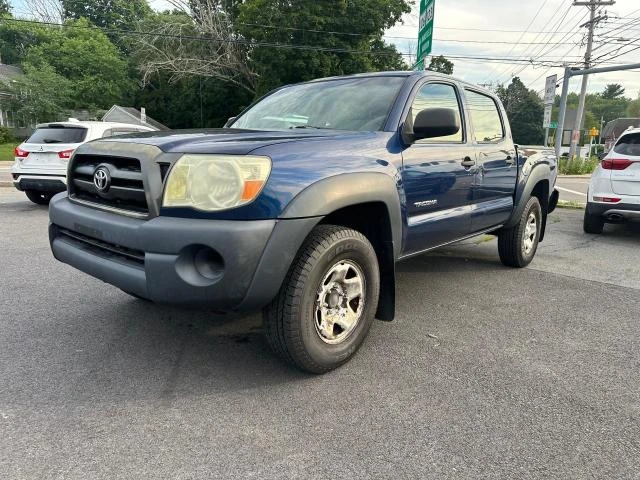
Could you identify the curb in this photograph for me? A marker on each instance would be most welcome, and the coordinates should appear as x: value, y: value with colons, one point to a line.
x: 571, y: 205
x: 588, y: 175
x: 5, y: 184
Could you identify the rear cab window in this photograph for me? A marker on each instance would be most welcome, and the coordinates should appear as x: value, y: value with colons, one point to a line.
x: 628, y: 144
x: 58, y: 134
x: 485, y: 117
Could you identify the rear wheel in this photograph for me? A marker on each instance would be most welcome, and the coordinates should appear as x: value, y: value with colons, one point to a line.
x: 40, y: 198
x: 327, y: 302
x: 517, y: 246
x: 592, y: 223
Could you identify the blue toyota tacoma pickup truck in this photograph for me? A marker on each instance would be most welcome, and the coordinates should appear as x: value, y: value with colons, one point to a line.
x: 302, y: 205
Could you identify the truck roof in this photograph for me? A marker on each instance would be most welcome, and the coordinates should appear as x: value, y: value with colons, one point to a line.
x: 405, y: 73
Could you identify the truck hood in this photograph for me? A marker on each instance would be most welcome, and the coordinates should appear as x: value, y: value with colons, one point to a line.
x: 224, y: 140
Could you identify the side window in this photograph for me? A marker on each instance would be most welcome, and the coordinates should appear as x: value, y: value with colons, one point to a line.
x: 485, y: 117
x: 437, y: 95
x: 107, y: 133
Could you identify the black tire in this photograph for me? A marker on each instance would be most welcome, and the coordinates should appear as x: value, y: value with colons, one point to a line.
x: 40, y: 198
x: 291, y: 320
x: 592, y: 223
x: 511, y: 242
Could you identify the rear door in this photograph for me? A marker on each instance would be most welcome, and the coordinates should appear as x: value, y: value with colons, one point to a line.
x: 438, y: 175
x: 624, y: 164
x: 497, y: 171
x: 50, y: 146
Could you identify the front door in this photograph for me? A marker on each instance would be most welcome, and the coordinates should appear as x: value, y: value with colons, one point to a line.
x: 438, y: 176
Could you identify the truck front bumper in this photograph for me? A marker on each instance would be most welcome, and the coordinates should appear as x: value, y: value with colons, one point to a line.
x: 223, y: 264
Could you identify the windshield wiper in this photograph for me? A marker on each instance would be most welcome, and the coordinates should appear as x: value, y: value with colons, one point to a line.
x: 310, y: 126
x: 51, y: 140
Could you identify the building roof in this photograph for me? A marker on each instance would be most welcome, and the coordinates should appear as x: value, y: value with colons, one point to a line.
x: 131, y: 115
x: 614, y: 128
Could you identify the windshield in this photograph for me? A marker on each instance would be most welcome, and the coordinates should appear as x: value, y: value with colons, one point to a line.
x: 58, y: 134
x: 359, y: 104
x: 628, y: 145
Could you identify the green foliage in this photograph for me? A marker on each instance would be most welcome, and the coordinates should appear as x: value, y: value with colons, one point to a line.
x: 633, y: 109
x: 5, y: 7
x: 577, y: 166
x: 17, y: 38
x: 87, y: 61
x: 525, y: 111
x: 613, y: 91
x: 441, y: 64
x: 6, y: 135
x: 113, y: 14
x: 277, y: 66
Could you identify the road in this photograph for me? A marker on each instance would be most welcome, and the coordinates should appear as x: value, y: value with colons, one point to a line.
x: 573, y: 188
x: 487, y: 372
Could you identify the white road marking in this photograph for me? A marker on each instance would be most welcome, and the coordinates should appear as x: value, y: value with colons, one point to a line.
x: 570, y: 191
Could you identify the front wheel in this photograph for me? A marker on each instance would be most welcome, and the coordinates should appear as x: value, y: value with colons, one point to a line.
x: 327, y: 302
x: 39, y: 198
x: 517, y: 246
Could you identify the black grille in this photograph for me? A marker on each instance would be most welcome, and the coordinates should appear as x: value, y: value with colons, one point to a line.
x: 126, y: 190
x: 103, y: 249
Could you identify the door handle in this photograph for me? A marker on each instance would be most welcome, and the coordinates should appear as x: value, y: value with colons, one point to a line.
x: 467, y: 162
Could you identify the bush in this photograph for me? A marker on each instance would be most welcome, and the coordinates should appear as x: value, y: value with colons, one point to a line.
x: 6, y: 135
x: 578, y: 166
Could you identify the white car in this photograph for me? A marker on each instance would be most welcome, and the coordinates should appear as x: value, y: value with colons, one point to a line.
x: 614, y: 191
x: 40, y: 168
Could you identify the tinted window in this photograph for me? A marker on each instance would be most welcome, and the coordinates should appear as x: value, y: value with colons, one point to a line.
x: 484, y: 117
x: 437, y: 95
x: 628, y: 145
x: 58, y: 134
x: 361, y: 104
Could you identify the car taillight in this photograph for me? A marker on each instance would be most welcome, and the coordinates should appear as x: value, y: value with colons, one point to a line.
x: 607, y: 199
x: 65, y: 154
x: 616, y: 163
x: 20, y: 153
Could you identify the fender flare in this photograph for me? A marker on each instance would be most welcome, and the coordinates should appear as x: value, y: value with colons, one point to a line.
x: 346, y: 190
x: 538, y: 173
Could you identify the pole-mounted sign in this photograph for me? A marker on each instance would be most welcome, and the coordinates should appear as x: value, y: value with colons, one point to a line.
x: 425, y: 32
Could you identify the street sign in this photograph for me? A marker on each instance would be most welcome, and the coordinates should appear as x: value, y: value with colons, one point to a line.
x: 550, y: 90
x: 425, y: 32
x: 546, y: 121
x: 553, y: 125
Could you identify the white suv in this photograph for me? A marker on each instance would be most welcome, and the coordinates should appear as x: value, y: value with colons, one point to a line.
x: 614, y: 191
x: 40, y: 168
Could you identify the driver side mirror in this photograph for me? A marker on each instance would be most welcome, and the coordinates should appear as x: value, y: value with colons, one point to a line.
x: 230, y: 121
x: 432, y: 123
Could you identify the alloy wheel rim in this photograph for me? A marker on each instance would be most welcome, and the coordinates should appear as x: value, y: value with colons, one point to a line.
x: 339, y: 302
x: 530, y: 232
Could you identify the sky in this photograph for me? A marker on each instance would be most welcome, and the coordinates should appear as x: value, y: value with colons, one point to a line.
x: 533, y: 23
x: 543, y: 30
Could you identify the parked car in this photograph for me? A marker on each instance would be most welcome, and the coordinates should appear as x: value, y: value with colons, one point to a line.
x: 614, y: 190
x: 305, y: 203
x: 40, y: 166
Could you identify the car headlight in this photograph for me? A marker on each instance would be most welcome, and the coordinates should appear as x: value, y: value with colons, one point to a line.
x: 215, y: 182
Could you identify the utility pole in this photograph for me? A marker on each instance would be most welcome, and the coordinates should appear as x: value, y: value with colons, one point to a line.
x: 592, y: 5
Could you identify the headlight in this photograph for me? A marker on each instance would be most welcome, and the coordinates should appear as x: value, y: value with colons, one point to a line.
x: 215, y: 182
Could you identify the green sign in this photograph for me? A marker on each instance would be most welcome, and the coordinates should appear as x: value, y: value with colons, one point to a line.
x: 425, y: 31
x: 553, y: 125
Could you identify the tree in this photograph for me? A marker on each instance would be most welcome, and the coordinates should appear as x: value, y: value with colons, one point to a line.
x: 633, y: 109
x: 525, y: 112
x: 5, y: 7
x: 441, y: 64
x: 88, y: 60
x: 113, y: 14
x: 308, y: 23
x: 613, y: 91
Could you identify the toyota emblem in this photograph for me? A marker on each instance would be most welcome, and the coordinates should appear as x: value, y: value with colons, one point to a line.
x: 102, y: 179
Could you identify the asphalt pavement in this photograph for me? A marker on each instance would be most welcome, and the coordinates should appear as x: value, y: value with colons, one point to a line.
x: 573, y: 188
x: 487, y: 372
